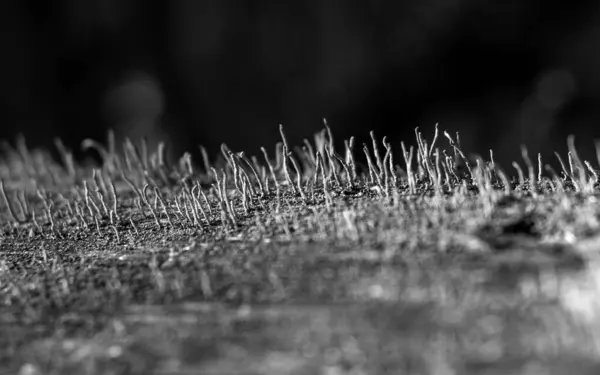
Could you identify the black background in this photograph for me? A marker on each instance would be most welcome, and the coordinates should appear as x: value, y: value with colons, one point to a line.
x: 503, y: 73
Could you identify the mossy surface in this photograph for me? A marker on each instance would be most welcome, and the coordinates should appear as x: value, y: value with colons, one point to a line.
x: 309, y: 262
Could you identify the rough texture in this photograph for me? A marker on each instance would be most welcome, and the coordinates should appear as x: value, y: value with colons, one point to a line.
x: 312, y: 264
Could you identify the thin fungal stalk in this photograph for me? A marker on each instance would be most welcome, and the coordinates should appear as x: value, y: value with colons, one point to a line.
x: 88, y: 144
x: 450, y: 165
x: 323, y: 176
x: 163, y: 205
x: 350, y: 157
x: 438, y: 172
x: 35, y: 223
x: 233, y: 164
x: 479, y: 176
x: 131, y: 150
x: 566, y: 173
x: 558, y: 182
x: 435, y: 137
x: 152, y: 210
x: 329, y: 136
x: 386, y: 180
x: 97, y: 227
x: 408, y: 158
x: 597, y: 147
x: 187, y: 162
x: 160, y: 162
x: 26, y: 157
x: 306, y: 159
x: 206, y: 201
x: 456, y: 147
x: 227, y: 201
x: 128, y: 162
x: 190, y: 205
x: 520, y: 173
x: 87, y: 198
x: 144, y: 152
x: 179, y: 211
x: 217, y: 187
x: 254, y: 172
x: 321, y: 141
x: 245, y: 196
x: 332, y: 167
x: 244, y: 174
x: 373, y: 173
x: 114, y: 228
x: 271, y: 170
x: 349, y: 182
x: 505, y: 181
x: 592, y: 171
x: 298, y: 178
x: 530, y: 170
x: 421, y: 149
x: 11, y: 209
x: 51, y: 220
x: 576, y: 159
x: 278, y: 155
x: 378, y: 159
x: 317, y: 168
x: 80, y: 215
x: 134, y: 188
x: 113, y: 163
x: 115, y: 200
x: 67, y: 158
x: 310, y: 152
x: 571, y: 167
x: 285, y: 157
x: 205, y: 160
x: 425, y: 158
x: 388, y: 148
x: 492, y: 162
x: 189, y: 209
x: 98, y: 190
x: 198, y: 207
x: 197, y: 202
x: 562, y: 165
x: 447, y: 178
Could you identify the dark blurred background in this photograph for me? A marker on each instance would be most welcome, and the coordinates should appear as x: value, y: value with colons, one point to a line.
x: 195, y: 72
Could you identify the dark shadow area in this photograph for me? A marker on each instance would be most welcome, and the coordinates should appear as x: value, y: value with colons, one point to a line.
x: 204, y: 72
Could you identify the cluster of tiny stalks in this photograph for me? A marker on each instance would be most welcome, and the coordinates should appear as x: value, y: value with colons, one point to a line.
x: 313, y: 174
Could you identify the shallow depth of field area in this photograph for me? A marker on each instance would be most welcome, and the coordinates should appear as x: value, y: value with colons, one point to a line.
x: 412, y: 258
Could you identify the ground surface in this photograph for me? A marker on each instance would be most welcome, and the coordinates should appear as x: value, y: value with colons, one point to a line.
x: 138, y: 266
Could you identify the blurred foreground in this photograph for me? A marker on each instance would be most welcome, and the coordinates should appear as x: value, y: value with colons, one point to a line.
x: 351, y: 315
